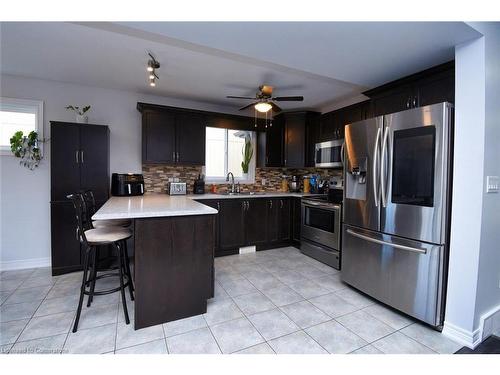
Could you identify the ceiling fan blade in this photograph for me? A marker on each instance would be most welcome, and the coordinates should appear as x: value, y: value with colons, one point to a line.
x: 275, y: 107
x: 248, y: 106
x: 239, y: 97
x: 289, y: 98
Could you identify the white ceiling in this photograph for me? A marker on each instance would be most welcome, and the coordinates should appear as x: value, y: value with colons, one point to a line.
x: 324, y: 62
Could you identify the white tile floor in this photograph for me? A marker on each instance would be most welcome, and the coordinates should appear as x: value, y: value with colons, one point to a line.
x: 275, y: 301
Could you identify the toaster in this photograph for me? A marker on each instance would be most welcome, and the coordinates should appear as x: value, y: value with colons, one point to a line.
x: 176, y: 188
x: 127, y: 184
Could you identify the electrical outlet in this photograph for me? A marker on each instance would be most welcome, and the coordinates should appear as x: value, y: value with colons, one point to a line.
x: 263, y: 182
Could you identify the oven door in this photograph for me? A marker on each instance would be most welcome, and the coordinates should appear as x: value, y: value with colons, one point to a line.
x: 329, y: 154
x: 321, y: 223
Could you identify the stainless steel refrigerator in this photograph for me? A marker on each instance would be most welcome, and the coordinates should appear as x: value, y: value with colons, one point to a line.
x: 396, y: 209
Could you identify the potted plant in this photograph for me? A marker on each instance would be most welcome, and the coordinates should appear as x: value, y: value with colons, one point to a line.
x: 26, y: 148
x: 81, y: 117
x: 247, y: 153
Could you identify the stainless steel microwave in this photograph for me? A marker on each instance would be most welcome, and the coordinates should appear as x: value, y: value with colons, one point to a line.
x: 329, y: 154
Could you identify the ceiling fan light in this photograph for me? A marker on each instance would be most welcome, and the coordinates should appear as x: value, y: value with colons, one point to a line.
x: 263, y: 107
x: 152, y: 82
x: 151, y: 76
x: 149, y: 68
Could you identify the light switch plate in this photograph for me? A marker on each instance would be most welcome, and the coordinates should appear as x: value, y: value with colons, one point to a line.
x: 492, y: 184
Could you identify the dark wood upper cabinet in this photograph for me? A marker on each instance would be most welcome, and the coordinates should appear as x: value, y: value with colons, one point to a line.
x: 158, y: 137
x: 64, y: 160
x: 437, y: 89
x: 295, y: 140
x: 290, y: 141
x: 331, y: 124
x: 270, y: 144
x: 94, y: 163
x: 190, y: 138
x: 395, y: 100
x: 430, y: 86
x: 172, y: 135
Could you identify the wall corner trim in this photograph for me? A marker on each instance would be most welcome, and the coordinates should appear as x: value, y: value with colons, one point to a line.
x: 471, y: 339
x: 25, y: 263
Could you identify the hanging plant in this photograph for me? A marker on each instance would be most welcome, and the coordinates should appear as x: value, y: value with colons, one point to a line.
x: 26, y: 148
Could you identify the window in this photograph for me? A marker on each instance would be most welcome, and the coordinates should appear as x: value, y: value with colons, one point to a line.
x: 19, y: 114
x: 224, y: 154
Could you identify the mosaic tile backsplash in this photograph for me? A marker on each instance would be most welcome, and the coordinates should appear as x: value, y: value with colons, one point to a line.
x: 156, y: 177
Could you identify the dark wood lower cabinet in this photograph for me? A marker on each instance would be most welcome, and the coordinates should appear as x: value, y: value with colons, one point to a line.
x: 262, y: 222
x: 66, y: 254
x: 256, y: 222
x: 173, y: 268
x: 231, y: 226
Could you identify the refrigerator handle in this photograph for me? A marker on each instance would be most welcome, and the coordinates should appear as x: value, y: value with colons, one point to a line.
x: 375, y: 168
x: 383, y: 177
x: 380, y: 242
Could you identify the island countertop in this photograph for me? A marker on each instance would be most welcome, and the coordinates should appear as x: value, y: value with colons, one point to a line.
x: 164, y: 205
x: 151, y: 205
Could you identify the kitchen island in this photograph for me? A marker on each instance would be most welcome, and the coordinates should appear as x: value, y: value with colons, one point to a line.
x: 173, y: 257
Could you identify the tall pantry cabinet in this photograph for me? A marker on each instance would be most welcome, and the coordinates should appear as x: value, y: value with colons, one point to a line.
x: 79, y: 160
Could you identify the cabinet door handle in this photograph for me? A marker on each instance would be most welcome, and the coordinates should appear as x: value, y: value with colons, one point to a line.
x: 270, y: 204
x: 77, y: 236
x: 281, y: 203
x: 173, y: 155
x: 218, y: 206
x: 81, y: 156
x: 76, y: 157
x: 414, y: 102
x: 178, y: 156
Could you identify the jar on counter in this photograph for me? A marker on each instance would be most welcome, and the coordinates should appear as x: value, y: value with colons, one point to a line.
x: 307, y: 184
x: 284, y: 183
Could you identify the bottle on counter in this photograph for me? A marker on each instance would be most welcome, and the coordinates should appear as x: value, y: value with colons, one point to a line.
x: 213, y: 189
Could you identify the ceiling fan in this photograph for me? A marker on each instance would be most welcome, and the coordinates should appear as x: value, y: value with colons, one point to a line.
x: 264, y: 100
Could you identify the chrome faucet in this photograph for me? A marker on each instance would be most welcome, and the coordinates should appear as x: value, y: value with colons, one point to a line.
x: 232, y: 182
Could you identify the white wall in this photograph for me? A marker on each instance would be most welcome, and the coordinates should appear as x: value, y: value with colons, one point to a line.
x: 473, y: 298
x: 25, y: 195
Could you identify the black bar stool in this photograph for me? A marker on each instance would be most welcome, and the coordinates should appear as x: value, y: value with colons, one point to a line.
x: 92, y: 239
x: 90, y: 210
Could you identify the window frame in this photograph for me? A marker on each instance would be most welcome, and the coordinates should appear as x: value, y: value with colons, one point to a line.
x: 251, y: 168
x: 24, y: 106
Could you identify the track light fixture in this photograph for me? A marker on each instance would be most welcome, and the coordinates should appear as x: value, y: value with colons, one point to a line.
x: 151, y: 69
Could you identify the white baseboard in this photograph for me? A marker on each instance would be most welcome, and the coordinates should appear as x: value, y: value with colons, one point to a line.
x: 462, y: 336
x: 489, y: 323
x: 25, y: 263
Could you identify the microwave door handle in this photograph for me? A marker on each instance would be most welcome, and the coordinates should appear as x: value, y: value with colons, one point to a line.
x: 375, y: 168
x: 342, y: 154
x: 142, y: 188
x: 129, y: 188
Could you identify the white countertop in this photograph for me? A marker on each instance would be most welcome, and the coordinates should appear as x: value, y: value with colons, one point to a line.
x: 151, y: 205
x: 163, y: 205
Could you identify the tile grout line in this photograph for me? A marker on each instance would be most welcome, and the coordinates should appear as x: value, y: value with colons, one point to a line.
x: 213, y: 336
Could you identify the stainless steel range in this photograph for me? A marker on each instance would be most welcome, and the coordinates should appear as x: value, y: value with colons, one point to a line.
x: 322, y: 225
x: 396, y: 209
